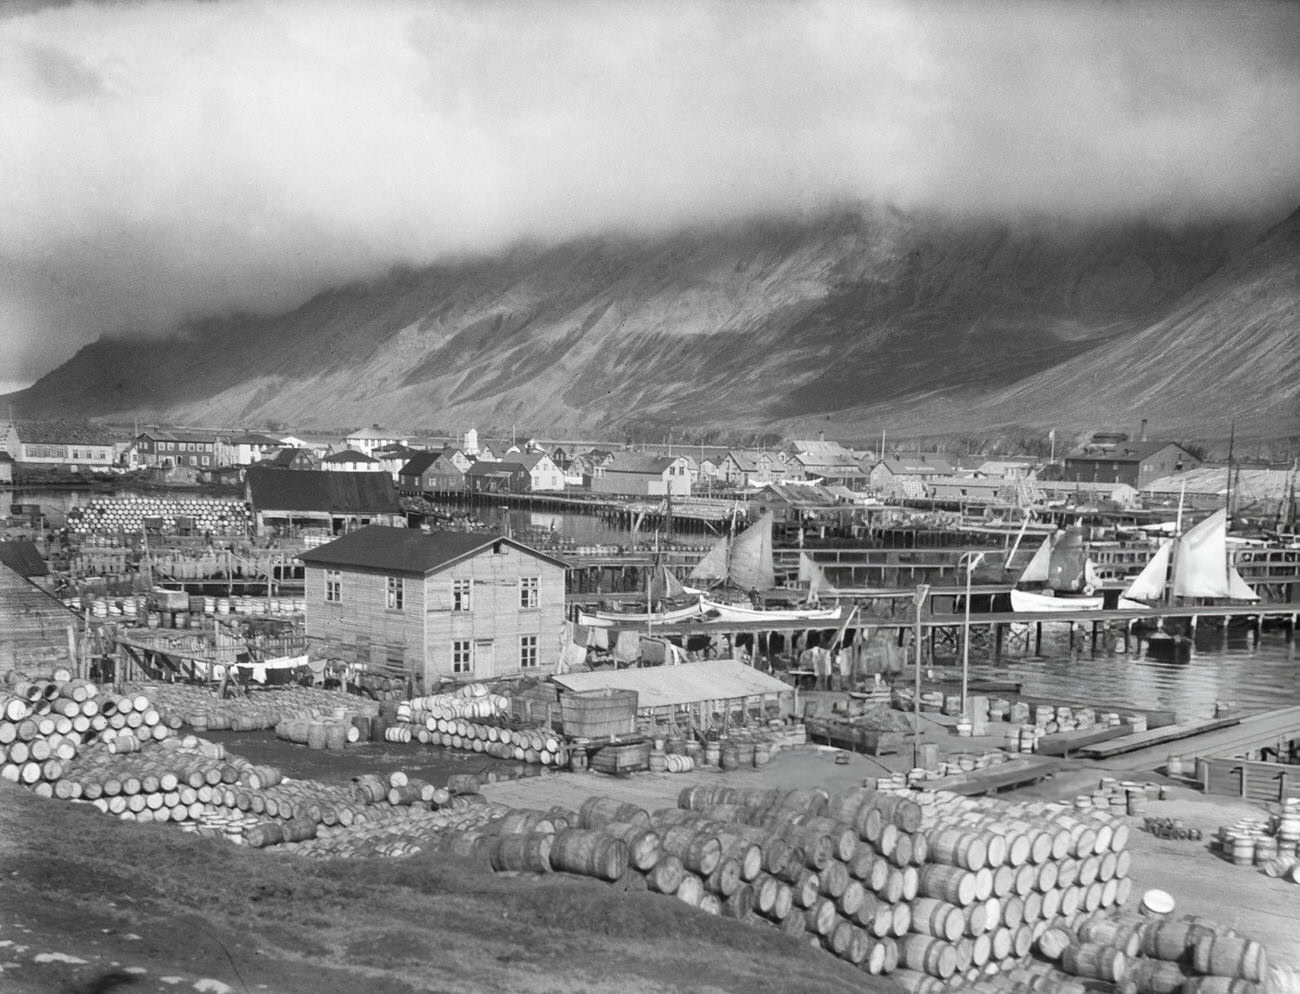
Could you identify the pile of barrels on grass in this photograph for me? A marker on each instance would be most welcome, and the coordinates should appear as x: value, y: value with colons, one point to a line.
x: 1162, y: 956
x: 476, y: 720
x: 111, y: 515
x: 1272, y: 844
x: 203, y: 710
x: 44, y: 724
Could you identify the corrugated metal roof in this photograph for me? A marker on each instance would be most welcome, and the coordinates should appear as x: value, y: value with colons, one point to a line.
x: 406, y: 550
x: 663, y: 686
x: 322, y: 490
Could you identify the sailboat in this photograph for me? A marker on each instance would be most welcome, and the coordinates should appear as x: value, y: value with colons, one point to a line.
x: 1200, y: 569
x: 676, y: 603
x: 746, y: 563
x: 1066, y: 578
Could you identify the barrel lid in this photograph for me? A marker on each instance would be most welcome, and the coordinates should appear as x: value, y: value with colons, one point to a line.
x: 1158, y: 902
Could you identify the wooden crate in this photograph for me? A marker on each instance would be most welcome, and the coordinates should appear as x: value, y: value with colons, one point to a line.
x: 625, y: 758
x: 597, y: 713
x: 1248, y: 779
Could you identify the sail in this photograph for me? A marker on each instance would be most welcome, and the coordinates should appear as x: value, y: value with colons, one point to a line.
x: 1201, y: 569
x: 1149, y: 585
x: 751, y: 557
x: 1036, y: 571
x: 664, y: 586
x: 1239, y: 589
x: 813, y: 574
x: 1067, y: 571
x: 714, y: 564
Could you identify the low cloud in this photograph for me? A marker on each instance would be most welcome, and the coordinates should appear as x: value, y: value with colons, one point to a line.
x: 172, y: 159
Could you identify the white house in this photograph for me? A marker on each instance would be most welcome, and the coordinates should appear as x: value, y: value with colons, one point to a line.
x: 543, y: 474
x: 351, y: 461
x: 368, y: 439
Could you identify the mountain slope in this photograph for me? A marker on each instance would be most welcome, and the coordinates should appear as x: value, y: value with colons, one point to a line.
x: 855, y: 314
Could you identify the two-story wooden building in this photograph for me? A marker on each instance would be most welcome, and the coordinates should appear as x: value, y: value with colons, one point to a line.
x: 166, y: 447
x: 434, y: 472
x: 453, y: 605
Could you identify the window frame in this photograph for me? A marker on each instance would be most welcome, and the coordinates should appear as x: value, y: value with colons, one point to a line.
x: 528, y: 656
x: 462, y: 596
x: 394, y: 593
x: 462, y: 656
x: 333, y: 586
x: 530, y: 593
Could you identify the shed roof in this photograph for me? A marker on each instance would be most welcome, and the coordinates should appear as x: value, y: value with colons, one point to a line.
x: 635, y: 462
x: 63, y: 431
x: 1122, y: 451
x: 349, y: 455
x: 663, y: 686
x: 407, y: 550
x: 418, y: 463
x: 489, y: 467
x: 22, y: 556
x: 322, y: 490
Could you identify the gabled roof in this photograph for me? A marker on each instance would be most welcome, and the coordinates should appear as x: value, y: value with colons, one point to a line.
x: 5, y: 456
x: 322, y: 490
x: 286, y: 456
x: 1122, y: 451
x: 22, y: 556
x: 800, y: 494
x: 635, y: 462
x: 349, y: 455
x: 418, y: 463
x: 746, y: 460
x: 822, y: 452
x: 407, y: 550
x: 922, y: 465
x: 252, y: 438
x: 489, y: 467
x: 373, y: 432
x: 529, y: 460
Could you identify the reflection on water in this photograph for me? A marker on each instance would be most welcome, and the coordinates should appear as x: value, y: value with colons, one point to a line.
x: 1251, y: 677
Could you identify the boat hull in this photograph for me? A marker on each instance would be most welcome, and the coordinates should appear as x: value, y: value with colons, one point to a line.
x: 737, y: 612
x: 1028, y: 601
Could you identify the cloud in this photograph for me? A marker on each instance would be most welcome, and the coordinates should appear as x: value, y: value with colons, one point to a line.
x: 174, y: 159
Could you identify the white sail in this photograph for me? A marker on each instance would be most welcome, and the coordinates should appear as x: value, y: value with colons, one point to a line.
x: 1149, y: 585
x: 1036, y: 571
x: 751, y: 557
x: 714, y: 564
x: 1201, y: 568
x: 812, y: 573
x: 1239, y: 589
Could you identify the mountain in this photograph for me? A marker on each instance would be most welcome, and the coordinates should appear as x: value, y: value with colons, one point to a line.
x: 855, y: 319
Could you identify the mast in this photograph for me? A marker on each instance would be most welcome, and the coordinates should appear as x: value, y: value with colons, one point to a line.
x: 1227, y: 505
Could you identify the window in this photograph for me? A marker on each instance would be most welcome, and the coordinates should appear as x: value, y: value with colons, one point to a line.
x: 462, y: 656
x: 527, y: 652
x: 528, y: 591
x: 460, y: 591
x: 333, y: 585
x: 396, y: 593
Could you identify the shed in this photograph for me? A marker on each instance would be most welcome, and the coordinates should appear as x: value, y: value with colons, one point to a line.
x: 671, y: 693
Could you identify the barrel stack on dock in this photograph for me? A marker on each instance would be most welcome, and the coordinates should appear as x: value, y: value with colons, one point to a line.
x: 115, y: 515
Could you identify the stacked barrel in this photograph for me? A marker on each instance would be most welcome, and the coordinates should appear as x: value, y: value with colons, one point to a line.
x: 202, y: 709
x: 476, y: 720
x: 1271, y: 844
x: 110, y: 515
x: 1160, y: 956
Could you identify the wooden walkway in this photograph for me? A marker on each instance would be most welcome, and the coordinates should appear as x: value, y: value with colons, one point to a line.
x: 1154, y: 737
x: 1246, y: 734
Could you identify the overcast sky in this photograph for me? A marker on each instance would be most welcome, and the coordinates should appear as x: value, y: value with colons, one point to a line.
x: 171, y: 159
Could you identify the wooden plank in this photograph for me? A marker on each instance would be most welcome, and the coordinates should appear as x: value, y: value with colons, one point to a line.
x: 1155, y: 736
x: 1013, y: 773
x: 1063, y: 743
x: 1249, y: 779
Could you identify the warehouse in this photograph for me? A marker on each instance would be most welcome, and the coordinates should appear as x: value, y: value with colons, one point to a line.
x: 287, y: 501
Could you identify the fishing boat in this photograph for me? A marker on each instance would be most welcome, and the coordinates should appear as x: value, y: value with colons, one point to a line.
x: 1060, y: 577
x: 669, y: 616
x: 744, y: 564
x: 1195, y: 566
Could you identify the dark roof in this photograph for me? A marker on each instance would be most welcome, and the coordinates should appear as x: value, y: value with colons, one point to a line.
x: 5, y: 456
x: 252, y: 438
x: 486, y: 467
x: 322, y: 490
x: 349, y: 455
x: 635, y: 462
x: 418, y: 463
x: 1121, y: 452
x: 62, y: 431
x: 285, y: 457
x: 21, y: 556
x: 407, y: 550
x: 167, y: 435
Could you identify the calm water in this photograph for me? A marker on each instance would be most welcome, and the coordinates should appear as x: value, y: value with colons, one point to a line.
x: 1253, y: 678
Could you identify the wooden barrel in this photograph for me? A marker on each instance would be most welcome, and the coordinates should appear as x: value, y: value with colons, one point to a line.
x: 596, y: 812
x: 316, y: 735
x: 938, y: 919
x: 589, y: 853
x: 336, y: 735
x: 958, y: 848
x: 666, y: 875
x: 1153, y: 976
x: 1227, y: 956
x: 690, y: 890
x: 1223, y: 985
x: 844, y: 840
x: 699, y: 852
x: 267, y: 833
x: 1097, y: 962
x: 903, y: 813
x: 643, y: 848
x: 712, y: 753
x: 1053, y: 942
x: 833, y: 880
x: 928, y: 955
x: 745, y: 852
x: 820, y: 916
x: 725, y: 878
x: 740, y: 903
x: 948, y: 883
x: 522, y: 851
x: 729, y: 757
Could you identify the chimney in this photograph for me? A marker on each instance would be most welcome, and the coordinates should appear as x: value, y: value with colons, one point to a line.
x: 821, y: 436
x: 1142, y: 434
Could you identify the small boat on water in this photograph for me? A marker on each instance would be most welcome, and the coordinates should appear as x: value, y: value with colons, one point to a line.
x: 669, y: 616
x: 1194, y: 565
x: 741, y: 612
x: 1060, y: 577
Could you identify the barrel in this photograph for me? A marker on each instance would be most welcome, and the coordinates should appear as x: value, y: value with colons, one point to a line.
x: 957, y: 848
x: 1169, y: 940
x: 1098, y: 962
x: 1053, y: 942
x: 729, y: 757
x: 592, y: 854
x: 1243, y: 850
x: 948, y: 883
x: 1222, y: 985
x: 712, y: 753
x: 938, y: 919
x: 316, y: 735
x: 699, y: 852
x: 267, y: 833
x: 928, y: 955
x: 643, y: 848
x: 596, y: 812
x: 336, y: 735
x: 666, y: 875
x: 523, y: 851
x: 1226, y: 956
x: 1153, y: 976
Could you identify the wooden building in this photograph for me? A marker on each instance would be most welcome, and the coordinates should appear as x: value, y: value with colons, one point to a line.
x: 453, y: 605
x: 1134, y: 463
x: 166, y: 448
x: 288, y: 501
x: 487, y: 477
x: 73, y: 445
x: 350, y: 461
x: 433, y: 472
x: 636, y: 475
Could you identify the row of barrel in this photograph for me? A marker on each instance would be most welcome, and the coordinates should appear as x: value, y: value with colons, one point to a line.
x: 1162, y: 956
x: 202, y: 709
x: 109, y: 515
x: 474, y: 719
x: 1272, y: 844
